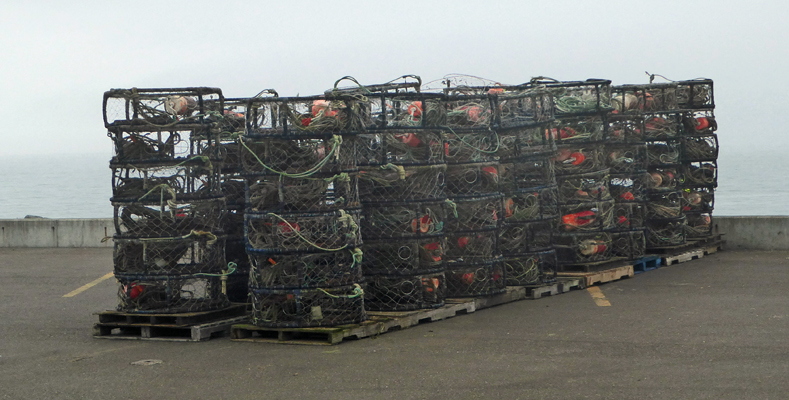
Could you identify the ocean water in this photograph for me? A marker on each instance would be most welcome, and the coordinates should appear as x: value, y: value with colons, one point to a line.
x: 750, y: 182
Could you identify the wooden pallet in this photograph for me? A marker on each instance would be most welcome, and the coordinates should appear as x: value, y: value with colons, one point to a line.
x: 180, y: 319
x: 599, y: 277
x: 165, y: 332
x: 683, y: 257
x: 568, y: 284
x: 647, y: 263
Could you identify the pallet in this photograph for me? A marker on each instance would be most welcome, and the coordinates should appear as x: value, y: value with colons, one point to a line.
x: 165, y: 332
x: 590, y: 267
x: 647, y: 263
x: 683, y: 257
x: 689, y: 245
x: 513, y: 293
x: 600, y: 277
x: 568, y: 284
x: 180, y: 319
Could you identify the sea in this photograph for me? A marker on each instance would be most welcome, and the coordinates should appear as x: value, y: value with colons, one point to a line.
x: 750, y: 182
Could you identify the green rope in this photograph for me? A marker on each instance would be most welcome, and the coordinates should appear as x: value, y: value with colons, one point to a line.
x: 357, y: 292
x: 294, y: 230
x: 336, y: 142
x: 494, y: 151
x: 399, y: 168
x: 231, y: 269
x: 452, y: 205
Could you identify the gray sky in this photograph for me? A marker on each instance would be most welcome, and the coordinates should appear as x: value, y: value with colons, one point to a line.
x: 59, y: 57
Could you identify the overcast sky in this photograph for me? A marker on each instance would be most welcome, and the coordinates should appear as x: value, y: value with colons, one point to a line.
x: 59, y: 57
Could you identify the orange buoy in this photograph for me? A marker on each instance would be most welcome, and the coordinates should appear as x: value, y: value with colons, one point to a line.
x: 496, y: 91
x: 491, y: 171
x: 180, y: 105
x: 430, y: 284
x: 434, y: 251
x: 657, y: 179
x: 463, y: 241
x: 415, y: 110
x: 577, y: 158
x: 285, y: 227
x: 421, y: 224
x: 572, y: 221
x: 468, y: 278
x: 409, y: 139
x: 627, y: 196
x: 134, y: 290
x: 591, y: 247
x: 622, y: 220
x: 509, y: 208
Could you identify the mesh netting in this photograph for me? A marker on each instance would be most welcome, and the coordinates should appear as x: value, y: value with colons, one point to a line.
x: 628, y: 245
x: 700, y: 199
x: 573, y: 130
x: 629, y: 187
x: 465, y: 146
x: 471, y: 247
x: 662, y: 126
x: 579, y: 159
x: 700, y: 174
x: 229, y: 153
x: 661, y: 179
x: 319, y: 192
x: 525, y: 237
x: 289, y: 232
x: 645, y: 98
x: 531, y: 204
x: 298, y: 158
x: 199, y: 252
x: 469, y: 179
x: 232, y: 224
x: 400, y: 147
x: 307, y: 307
x: 577, y: 98
x: 515, y: 143
x: 531, y: 269
x: 666, y: 232
x: 585, y: 217
x: 626, y: 159
x: 404, y: 256
x: 470, y: 111
x: 524, y: 107
x: 402, y: 293
x: 170, y: 294
x: 169, y: 219
x: 305, y: 270
x: 664, y: 153
x: 482, y: 279
x: 591, y: 186
x: 408, y: 110
x: 238, y: 282
x: 527, y: 172
x: 629, y: 215
x: 474, y: 213
x: 696, y: 93
x: 146, y: 108
x: 699, y: 122
x: 625, y: 128
x: 664, y: 204
x: 403, y: 220
x: 192, y: 179
x: 699, y: 225
x: 234, y: 190
x: 583, y: 248
x: 159, y: 145
x: 306, y: 116
x: 395, y: 182
x: 700, y: 148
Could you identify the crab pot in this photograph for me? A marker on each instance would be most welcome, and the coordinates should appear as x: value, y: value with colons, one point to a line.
x: 170, y: 293
x: 233, y: 115
x: 481, y: 212
x: 167, y: 219
x: 234, y: 190
x: 571, y: 131
x: 162, y: 145
x: 626, y: 159
x: 628, y: 245
x: 170, y: 255
x: 473, y: 178
x: 232, y: 224
x: 637, y: 99
x: 476, y: 280
x: 404, y: 110
x: 579, y: 159
x: 531, y: 269
x: 664, y: 233
x: 404, y: 256
x: 626, y: 188
x: 304, y: 270
x: 193, y: 179
x: 527, y: 172
x: 403, y: 220
x: 400, y: 147
x: 583, y: 248
x: 306, y: 117
x: 698, y: 200
x: 141, y: 109
x: 664, y: 153
x: 586, y: 217
x: 525, y: 237
x: 574, y: 98
x: 522, y: 107
x: 664, y: 204
x: 661, y: 179
x: 298, y: 158
x: 699, y: 122
x: 531, y: 204
x: 470, y: 111
x: 591, y: 186
x: 401, y: 183
x: 626, y: 128
x: 662, y: 126
x: 697, y: 174
x: 699, y: 226
x: 302, y: 232
x: 629, y: 215
x: 229, y: 154
x: 517, y: 143
x: 695, y: 94
x: 471, y: 247
x: 404, y: 293
x: 303, y: 308
x: 319, y: 192
x: 470, y: 146
x: 699, y: 148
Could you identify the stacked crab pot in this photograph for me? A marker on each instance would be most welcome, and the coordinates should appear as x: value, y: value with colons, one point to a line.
x: 302, y: 214
x: 699, y: 154
x: 169, y: 248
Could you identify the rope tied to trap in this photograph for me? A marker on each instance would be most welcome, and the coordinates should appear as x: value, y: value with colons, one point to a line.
x: 357, y: 292
x: 399, y: 168
x: 335, y: 143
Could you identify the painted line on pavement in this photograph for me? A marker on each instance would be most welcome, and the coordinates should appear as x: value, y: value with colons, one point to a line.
x: 598, y: 296
x: 88, y: 285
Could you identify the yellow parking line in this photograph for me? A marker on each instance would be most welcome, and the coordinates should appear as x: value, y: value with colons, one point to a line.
x: 88, y: 285
x: 598, y: 296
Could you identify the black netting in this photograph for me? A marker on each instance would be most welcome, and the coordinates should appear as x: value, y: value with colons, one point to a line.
x: 664, y: 204
x: 583, y: 248
x: 169, y: 219
x: 238, y: 281
x: 625, y: 128
x: 521, y: 107
x: 469, y: 179
x: 159, y: 108
x: 471, y: 247
x: 587, y: 216
x: 305, y: 270
x: 298, y: 158
x: 170, y: 294
x: 699, y: 225
x: 200, y: 252
x: 661, y: 179
x: 700, y: 147
x: 400, y: 147
x: 306, y: 116
x: 318, y: 192
x: 162, y: 145
x: 466, y: 146
x: 404, y: 256
x: 229, y: 154
x: 481, y: 279
x: 474, y: 213
x: 469, y: 110
x: 645, y: 98
x: 697, y: 93
x: 307, y: 307
x: 590, y: 186
x: 661, y: 154
x: 395, y: 182
x: 626, y: 159
x: 700, y: 199
x: 578, y: 97
x: 662, y: 126
x: 194, y: 179
x: 700, y: 174
x: 571, y: 131
x: 289, y: 232
x: 531, y: 269
x: 699, y: 122
x: 629, y: 187
x: 579, y: 159
x: 666, y: 232
x: 234, y: 190
x: 629, y: 215
x: 525, y: 237
x: 628, y: 245
x: 402, y: 293
x: 403, y: 220
x: 407, y: 110
x: 515, y: 143
x: 531, y: 204
x: 527, y: 172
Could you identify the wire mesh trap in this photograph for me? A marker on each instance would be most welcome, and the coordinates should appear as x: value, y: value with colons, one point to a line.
x: 579, y: 159
x: 185, y: 181
x: 290, y: 232
x: 238, y: 281
x: 402, y: 183
x: 403, y: 293
x: 591, y: 186
x: 531, y: 269
x: 403, y: 219
x: 162, y: 145
x: 525, y: 237
x: 481, y: 212
x: 628, y: 245
x: 661, y: 179
x: 319, y: 192
x: 695, y: 94
x: 662, y: 126
x: 699, y: 122
x: 404, y: 256
x: 573, y: 98
x: 300, y: 158
x: 586, y: 217
x: 699, y: 225
x: 700, y: 199
x: 665, y: 204
x: 666, y: 233
x: 159, y: 108
x: 170, y: 293
x: 574, y: 130
x: 473, y: 111
x: 629, y: 215
x: 698, y: 174
x: 199, y: 252
x: 302, y: 117
x: 522, y: 106
x: 516, y: 143
x: 472, y: 178
x: 398, y: 110
x: 168, y: 219
x: 625, y: 128
x: 663, y: 153
x: 471, y: 247
x: 645, y: 98
x: 476, y: 280
x: 419, y: 147
x: 700, y: 147
x: 234, y: 191
x: 629, y: 187
x: 302, y: 308
x: 583, y: 248
x: 468, y: 146
x: 531, y: 204
x: 527, y: 172
x: 305, y: 270
x: 626, y: 158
